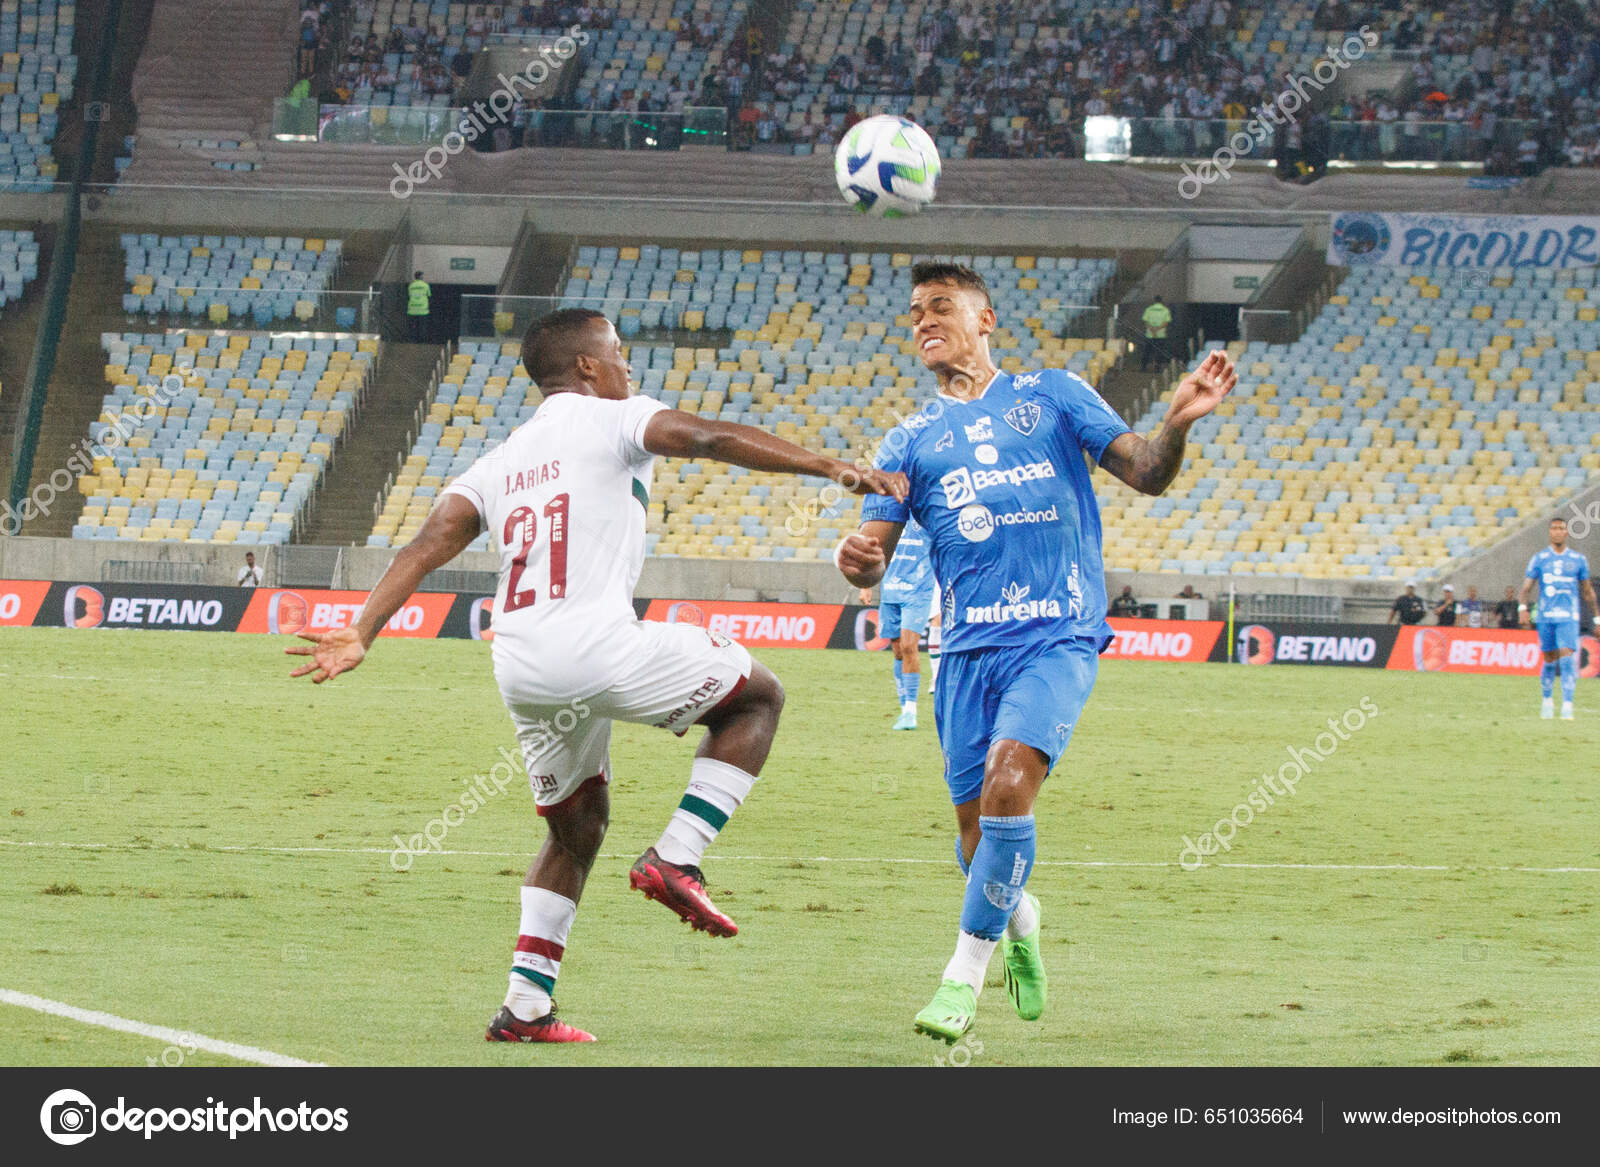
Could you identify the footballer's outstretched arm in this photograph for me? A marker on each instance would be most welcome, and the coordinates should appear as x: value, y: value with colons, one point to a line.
x: 452, y: 525
x: 1150, y: 465
x: 863, y: 556
x: 673, y: 433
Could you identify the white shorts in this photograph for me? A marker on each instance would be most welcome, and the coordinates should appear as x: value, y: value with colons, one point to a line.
x: 673, y: 676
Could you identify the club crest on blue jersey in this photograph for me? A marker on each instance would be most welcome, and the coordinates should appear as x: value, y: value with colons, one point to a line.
x: 1025, y: 417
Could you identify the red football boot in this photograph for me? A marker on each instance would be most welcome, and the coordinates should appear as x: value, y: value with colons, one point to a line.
x: 507, y: 1026
x: 683, y: 889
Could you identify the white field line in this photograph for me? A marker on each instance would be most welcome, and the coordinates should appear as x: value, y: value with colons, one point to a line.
x: 177, y: 1037
x: 268, y: 850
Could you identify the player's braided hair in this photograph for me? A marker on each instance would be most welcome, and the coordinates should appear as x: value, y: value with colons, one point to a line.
x: 553, y: 342
x: 931, y: 272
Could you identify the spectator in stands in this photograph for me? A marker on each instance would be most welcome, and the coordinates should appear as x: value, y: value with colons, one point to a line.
x: 249, y: 575
x: 1471, y: 609
x: 418, y: 296
x: 1409, y: 608
x: 1189, y: 593
x: 1445, y: 610
x: 1156, y: 318
x: 1505, y: 611
x: 1125, y: 604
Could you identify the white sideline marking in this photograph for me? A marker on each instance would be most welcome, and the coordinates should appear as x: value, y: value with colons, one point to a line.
x: 247, y: 849
x: 177, y: 1037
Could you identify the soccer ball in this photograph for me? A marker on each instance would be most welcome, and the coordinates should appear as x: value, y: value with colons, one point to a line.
x: 887, y: 166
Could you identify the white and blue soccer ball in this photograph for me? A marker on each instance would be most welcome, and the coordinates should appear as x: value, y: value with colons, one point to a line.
x: 887, y: 166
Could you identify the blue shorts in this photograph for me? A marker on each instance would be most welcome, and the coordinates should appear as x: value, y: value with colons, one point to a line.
x: 914, y: 614
x: 1032, y: 694
x: 1554, y: 634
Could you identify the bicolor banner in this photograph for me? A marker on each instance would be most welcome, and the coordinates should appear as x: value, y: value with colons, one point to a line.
x: 1367, y: 238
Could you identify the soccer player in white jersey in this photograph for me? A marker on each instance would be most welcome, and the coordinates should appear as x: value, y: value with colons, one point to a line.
x: 1561, y: 575
x: 565, y: 499
x: 998, y: 480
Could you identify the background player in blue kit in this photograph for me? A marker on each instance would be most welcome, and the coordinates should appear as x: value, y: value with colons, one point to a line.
x: 1559, y: 573
x: 904, y: 609
x: 999, y: 484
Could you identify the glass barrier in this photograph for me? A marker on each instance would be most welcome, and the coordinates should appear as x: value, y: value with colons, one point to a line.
x: 195, y: 307
x: 1115, y: 139
x: 398, y: 125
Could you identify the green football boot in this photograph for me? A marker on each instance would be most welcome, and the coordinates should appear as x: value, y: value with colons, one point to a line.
x: 950, y: 1013
x: 1025, y: 979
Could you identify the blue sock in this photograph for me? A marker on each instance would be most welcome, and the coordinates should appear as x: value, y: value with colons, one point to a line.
x: 1569, y: 676
x: 913, y: 682
x: 1547, y: 677
x: 900, y: 682
x: 961, y: 857
x: 999, y: 873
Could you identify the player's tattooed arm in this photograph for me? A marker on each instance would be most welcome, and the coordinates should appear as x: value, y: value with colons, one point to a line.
x: 453, y: 524
x: 863, y: 556
x: 1147, y: 464
x: 1150, y: 464
x: 673, y: 433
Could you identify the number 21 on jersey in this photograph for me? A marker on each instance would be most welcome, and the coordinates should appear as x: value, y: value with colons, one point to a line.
x: 522, y: 532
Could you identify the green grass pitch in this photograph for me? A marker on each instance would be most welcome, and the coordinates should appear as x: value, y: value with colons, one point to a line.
x: 204, y: 845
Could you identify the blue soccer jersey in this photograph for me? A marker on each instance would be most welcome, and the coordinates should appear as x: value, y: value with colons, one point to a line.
x: 1000, y: 486
x: 1558, y: 576
x: 911, y: 570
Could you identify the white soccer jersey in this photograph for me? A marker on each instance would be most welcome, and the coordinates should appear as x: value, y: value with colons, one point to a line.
x: 564, y: 499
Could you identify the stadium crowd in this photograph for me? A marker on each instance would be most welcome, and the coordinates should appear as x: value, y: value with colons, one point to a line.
x: 1512, y: 83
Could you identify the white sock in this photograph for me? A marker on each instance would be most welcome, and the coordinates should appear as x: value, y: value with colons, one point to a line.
x: 1024, y: 921
x: 971, y: 961
x: 716, y: 790
x: 541, y: 943
x: 909, y: 707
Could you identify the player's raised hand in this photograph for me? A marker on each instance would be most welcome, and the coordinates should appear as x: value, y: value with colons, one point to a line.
x: 331, y: 653
x: 860, y: 555
x: 1202, y: 390
x: 859, y: 481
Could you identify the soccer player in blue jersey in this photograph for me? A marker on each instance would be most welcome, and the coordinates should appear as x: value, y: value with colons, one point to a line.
x: 904, y: 610
x: 1560, y: 574
x: 999, y: 482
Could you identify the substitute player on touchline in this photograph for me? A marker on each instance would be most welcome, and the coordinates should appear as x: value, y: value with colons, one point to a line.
x: 998, y: 481
x: 1560, y: 574
x: 565, y: 498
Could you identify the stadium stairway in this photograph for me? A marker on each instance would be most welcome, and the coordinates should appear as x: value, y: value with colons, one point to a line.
x: 208, y: 76
x: 94, y: 304
x: 341, y: 512
x: 19, y: 325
